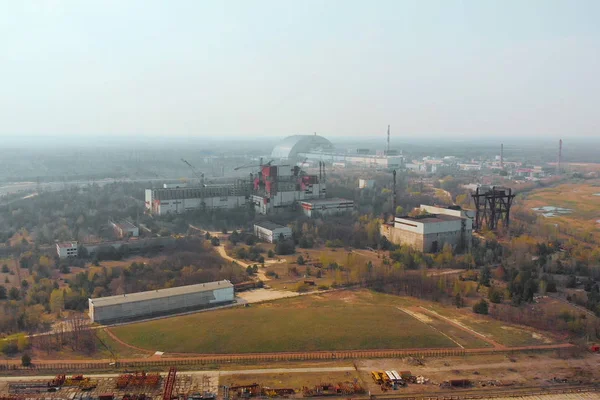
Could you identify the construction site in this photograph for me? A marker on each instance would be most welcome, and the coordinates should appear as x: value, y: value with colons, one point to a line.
x: 534, y: 375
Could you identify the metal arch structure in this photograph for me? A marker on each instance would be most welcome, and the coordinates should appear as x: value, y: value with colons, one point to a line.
x: 491, y: 207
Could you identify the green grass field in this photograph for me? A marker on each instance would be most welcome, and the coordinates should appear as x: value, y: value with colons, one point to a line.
x: 335, y: 321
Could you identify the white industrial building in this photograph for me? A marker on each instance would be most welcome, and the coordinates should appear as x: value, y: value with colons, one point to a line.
x: 366, y: 183
x: 67, y: 249
x: 271, y: 232
x: 125, y: 229
x: 323, y: 207
x: 429, y: 232
x: 127, y: 307
x: 179, y: 200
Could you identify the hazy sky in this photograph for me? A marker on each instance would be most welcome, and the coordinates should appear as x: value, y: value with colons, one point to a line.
x: 191, y: 68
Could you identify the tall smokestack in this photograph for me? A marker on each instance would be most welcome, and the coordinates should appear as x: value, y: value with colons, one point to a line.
x: 388, y: 141
x: 559, y: 156
x: 501, y: 155
x: 394, y: 195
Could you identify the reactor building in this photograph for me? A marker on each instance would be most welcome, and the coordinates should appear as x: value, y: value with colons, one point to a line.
x: 155, y: 303
x: 314, y: 148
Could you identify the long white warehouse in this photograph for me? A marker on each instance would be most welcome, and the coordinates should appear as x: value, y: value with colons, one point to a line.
x: 154, y: 303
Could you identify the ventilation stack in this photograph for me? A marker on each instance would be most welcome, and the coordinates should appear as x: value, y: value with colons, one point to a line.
x: 388, y: 142
x: 394, y: 195
x: 559, y: 157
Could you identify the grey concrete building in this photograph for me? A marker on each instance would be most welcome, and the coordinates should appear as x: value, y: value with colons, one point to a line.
x: 429, y: 233
x: 154, y: 303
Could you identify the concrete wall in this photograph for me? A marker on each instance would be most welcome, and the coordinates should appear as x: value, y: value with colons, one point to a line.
x: 178, y: 206
x: 161, y: 306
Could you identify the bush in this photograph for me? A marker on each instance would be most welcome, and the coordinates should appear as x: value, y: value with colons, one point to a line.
x: 323, y: 287
x: 495, y: 295
x: 285, y: 247
x: 215, y: 241
x: 26, y: 360
x: 300, y: 260
x: 481, y: 307
x: 9, y: 347
x: 270, y: 254
x: 302, y: 288
x: 5, y: 269
x: 272, y: 274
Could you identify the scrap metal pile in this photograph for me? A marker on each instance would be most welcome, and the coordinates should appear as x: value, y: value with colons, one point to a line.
x: 328, y: 389
x: 137, y: 379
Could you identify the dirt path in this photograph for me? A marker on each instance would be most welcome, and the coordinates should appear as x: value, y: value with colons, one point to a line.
x: 420, y: 318
x: 462, y: 327
x: 122, y: 343
x: 260, y: 274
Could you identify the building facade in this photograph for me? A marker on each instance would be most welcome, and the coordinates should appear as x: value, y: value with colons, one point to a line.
x: 125, y: 229
x: 429, y: 233
x: 366, y: 183
x: 67, y: 249
x: 179, y: 200
x: 271, y: 232
x: 154, y: 303
x: 324, y: 207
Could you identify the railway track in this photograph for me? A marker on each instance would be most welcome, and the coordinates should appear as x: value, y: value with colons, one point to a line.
x: 472, y: 394
x: 204, y: 359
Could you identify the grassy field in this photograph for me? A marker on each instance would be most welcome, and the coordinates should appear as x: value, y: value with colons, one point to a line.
x: 335, y: 321
x: 583, y: 199
x: 495, y: 330
x: 346, y: 320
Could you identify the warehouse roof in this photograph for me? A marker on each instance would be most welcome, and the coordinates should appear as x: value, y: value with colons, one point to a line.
x: 332, y: 200
x: 67, y: 245
x: 160, y: 293
x: 429, y: 218
x: 268, y: 225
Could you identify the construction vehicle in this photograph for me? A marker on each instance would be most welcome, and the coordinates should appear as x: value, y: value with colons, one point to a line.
x: 378, y: 377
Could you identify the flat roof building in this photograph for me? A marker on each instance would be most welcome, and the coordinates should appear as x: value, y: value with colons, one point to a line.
x: 271, y: 232
x: 154, y: 303
x: 431, y: 231
x: 67, y: 249
x: 322, y: 207
x: 125, y: 229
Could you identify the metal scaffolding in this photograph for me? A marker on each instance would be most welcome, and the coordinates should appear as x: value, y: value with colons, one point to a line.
x: 491, y: 207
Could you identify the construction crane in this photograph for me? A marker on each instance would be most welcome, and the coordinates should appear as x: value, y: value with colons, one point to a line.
x: 253, y: 165
x: 198, y: 175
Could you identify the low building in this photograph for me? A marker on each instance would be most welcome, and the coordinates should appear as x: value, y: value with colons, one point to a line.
x: 271, y: 232
x: 155, y: 303
x: 431, y: 231
x: 67, y: 249
x: 125, y: 229
x: 366, y: 183
x: 323, y: 207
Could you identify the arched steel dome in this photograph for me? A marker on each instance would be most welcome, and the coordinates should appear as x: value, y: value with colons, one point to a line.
x: 289, y: 147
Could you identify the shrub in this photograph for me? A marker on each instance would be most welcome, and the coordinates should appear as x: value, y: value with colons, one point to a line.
x: 270, y: 254
x: 300, y: 260
x: 302, y: 288
x: 495, y: 295
x: 26, y: 360
x: 323, y: 287
x: 481, y: 307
